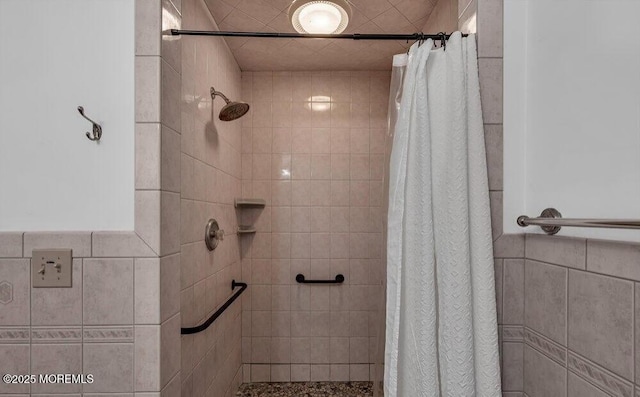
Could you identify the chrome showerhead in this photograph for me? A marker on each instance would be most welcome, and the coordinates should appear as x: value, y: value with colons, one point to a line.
x: 232, y: 110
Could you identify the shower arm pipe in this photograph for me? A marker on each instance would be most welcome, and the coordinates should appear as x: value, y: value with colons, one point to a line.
x: 215, y: 93
x: 551, y: 222
x: 275, y: 35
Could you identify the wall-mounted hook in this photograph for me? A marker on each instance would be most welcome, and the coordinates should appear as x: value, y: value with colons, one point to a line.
x: 97, y: 129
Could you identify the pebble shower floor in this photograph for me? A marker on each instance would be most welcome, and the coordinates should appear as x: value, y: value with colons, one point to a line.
x: 307, y: 389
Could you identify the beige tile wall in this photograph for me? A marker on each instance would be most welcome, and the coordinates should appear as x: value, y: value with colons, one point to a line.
x: 210, y: 179
x: 313, y: 148
x: 111, y: 323
x: 580, y: 317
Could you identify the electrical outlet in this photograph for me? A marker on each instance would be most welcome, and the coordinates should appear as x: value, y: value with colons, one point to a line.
x: 51, y: 268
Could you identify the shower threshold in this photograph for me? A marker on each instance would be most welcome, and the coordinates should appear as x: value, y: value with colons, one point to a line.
x: 306, y: 389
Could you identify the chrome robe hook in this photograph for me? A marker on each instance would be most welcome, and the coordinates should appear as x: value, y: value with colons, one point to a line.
x: 97, y: 129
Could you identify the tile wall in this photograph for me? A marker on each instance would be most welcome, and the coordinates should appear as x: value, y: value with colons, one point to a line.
x: 112, y: 323
x: 210, y: 180
x: 579, y: 310
x: 313, y: 148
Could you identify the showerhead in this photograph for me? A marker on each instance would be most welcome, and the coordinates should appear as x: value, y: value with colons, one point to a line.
x: 232, y: 110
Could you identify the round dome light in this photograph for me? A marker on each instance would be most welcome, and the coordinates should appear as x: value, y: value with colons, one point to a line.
x: 319, y: 16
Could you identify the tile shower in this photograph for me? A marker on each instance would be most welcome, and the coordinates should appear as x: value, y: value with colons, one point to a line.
x: 313, y: 147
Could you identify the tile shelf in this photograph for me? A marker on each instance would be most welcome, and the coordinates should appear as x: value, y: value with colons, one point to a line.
x: 246, y: 229
x: 249, y: 203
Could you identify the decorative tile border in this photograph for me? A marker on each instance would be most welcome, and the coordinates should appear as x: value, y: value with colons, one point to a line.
x: 512, y: 333
x: 78, y: 395
x: 546, y: 346
x: 108, y: 334
x: 56, y: 335
x: 599, y: 376
x: 14, y: 335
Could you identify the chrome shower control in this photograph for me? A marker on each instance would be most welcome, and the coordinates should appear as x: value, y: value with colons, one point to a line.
x: 219, y: 235
x: 213, y: 234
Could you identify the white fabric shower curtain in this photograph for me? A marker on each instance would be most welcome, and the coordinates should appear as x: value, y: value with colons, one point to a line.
x: 441, y: 329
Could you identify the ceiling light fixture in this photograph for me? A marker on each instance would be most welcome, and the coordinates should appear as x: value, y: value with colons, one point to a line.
x: 320, y: 16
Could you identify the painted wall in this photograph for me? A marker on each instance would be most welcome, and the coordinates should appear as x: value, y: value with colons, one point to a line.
x: 571, y: 112
x: 54, y: 57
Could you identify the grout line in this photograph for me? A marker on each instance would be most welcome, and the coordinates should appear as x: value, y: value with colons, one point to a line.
x: 524, y: 304
x: 634, y: 347
x: 82, y: 319
x: 566, y: 329
x: 31, y: 319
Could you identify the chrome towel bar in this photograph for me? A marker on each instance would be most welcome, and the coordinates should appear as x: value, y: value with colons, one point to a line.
x: 551, y: 221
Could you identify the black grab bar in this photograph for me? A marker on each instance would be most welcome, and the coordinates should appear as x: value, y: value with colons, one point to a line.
x: 338, y: 280
x: 214, y: 316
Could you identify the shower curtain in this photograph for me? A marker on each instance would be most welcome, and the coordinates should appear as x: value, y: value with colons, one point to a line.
x: 441, y: 329
x: 397, y: 74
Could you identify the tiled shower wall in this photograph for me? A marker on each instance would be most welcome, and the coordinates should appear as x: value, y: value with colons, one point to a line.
x: 313, y: 148
x: 210, y: 175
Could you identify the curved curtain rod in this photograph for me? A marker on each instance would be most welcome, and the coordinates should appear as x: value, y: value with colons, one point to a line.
x: 355, y: 36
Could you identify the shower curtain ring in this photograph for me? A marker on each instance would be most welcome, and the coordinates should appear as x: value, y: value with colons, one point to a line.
x: 443, y: 40
x: 420, y: 39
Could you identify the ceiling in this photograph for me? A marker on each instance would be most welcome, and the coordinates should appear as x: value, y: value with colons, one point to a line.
x: 368, y: 16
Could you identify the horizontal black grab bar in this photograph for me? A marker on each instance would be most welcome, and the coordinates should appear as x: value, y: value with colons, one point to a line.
x: 338, y: 280
x: 214, y: 316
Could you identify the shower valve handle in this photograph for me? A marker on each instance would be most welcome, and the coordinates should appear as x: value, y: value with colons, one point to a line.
x: 213, y: 234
